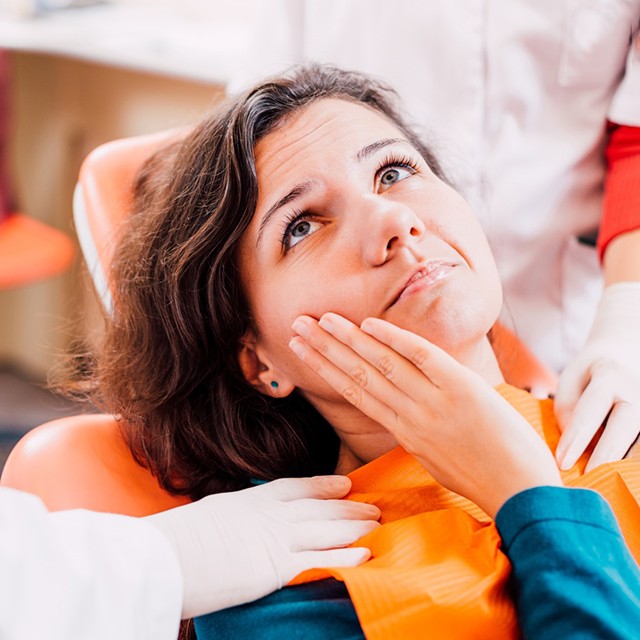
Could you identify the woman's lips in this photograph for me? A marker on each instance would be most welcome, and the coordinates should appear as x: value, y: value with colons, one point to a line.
x: 427, y: 275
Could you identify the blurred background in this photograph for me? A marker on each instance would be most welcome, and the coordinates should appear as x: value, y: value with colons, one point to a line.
x: 75, y: 74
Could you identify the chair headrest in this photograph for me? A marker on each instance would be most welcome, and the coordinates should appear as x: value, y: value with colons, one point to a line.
x: 102, y: 199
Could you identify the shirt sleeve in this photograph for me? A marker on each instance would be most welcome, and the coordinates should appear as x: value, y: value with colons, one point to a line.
x: 621, y: 205
x: 77, y: 574
x: 573, y: 574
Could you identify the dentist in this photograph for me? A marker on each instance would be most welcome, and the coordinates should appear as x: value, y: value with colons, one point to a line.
x: 78, y: 574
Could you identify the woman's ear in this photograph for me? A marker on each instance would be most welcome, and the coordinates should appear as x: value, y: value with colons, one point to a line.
x: 258, y: 369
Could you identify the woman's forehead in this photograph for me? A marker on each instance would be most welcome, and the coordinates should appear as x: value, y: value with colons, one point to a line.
x: 324, y: 127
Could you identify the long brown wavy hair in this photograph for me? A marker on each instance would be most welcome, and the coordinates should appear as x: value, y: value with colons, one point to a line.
x: 168, y: 365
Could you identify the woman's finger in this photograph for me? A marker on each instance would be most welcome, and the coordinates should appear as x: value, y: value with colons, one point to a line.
x: 343, y: 384
x: 361, y: 382
x: 437, y: 365
x: 389, y: 363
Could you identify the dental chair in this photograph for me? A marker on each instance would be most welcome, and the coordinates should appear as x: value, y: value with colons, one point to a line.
x: 83, y: 461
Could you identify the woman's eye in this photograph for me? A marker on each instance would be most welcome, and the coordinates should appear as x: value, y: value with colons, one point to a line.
x: 298, y: 231
x: 391, y: 175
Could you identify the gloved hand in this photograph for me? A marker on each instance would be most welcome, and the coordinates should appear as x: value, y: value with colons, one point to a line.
x: 240, y: 546
x: 603, y: 380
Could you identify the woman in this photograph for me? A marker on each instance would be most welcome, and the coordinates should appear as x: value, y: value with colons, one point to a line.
x: 305, y: 196
x: 538, y: 105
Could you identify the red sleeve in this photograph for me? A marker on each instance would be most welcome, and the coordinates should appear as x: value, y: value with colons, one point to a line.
x: 621, y: 206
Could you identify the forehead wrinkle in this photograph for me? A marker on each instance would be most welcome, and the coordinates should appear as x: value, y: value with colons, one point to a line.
x: 286, y: 129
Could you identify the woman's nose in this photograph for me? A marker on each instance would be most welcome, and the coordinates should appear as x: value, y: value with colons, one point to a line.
x: 389, y: 227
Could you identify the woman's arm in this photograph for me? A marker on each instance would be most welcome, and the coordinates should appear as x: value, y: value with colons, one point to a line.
x: 573, y: 574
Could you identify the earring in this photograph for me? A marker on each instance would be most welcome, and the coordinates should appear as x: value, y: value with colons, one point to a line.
x: 274, y: 384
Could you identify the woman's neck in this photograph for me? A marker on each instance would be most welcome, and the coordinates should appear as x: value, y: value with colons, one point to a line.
x: 364, y: 439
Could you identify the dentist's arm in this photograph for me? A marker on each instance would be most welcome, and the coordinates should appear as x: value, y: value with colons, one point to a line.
x: 77, y: 574
x: 603, y: 381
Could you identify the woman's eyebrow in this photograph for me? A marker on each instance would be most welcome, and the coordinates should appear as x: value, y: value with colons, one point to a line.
x: 297, y: 191
x: 372, y: 148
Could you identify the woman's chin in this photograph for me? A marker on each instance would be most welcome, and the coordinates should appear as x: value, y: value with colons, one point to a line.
x: 453, y: 320
x: 454, y: 334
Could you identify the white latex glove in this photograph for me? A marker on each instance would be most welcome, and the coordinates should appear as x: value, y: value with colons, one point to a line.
x: 236, y: 547
x: 603, y: 380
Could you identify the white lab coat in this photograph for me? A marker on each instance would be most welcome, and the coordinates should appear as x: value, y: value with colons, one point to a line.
x: 513, y: 95
x: 79, y: 575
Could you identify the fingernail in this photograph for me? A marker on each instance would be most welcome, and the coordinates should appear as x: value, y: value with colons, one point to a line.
x: 326, y: 324
x: 366, y: 554
x: 566, y: 461
x: 298, y: 347
x: 370, y: 325
x: 374, y: 511
x: 602, y: 457
x: 561, y: 449
x: 300, y: 327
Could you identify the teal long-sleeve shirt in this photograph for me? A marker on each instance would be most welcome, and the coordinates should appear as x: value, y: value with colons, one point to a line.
x: 573, y: 577
x: 572, y: 573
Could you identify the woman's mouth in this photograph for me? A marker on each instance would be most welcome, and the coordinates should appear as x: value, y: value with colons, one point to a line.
x: 425, y: 276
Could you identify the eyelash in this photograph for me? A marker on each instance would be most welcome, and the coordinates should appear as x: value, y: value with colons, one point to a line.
x: 289, y: 223
x: 297, y: 215
x: 392, y: 160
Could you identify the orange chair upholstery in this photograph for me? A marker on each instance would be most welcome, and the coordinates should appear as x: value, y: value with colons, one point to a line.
x: 102, y: 198
x: 83, y: 461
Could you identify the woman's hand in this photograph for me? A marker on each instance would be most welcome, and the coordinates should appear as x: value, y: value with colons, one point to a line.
x: 465, y: 434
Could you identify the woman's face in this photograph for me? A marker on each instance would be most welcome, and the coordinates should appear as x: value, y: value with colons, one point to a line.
x: 351, y: 219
